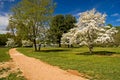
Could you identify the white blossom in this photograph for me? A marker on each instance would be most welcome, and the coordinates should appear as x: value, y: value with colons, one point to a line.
x: 10, y: 43
x: 27, y: 43
x: 90, y: 30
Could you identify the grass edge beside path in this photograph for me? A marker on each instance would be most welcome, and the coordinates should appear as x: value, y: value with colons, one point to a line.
x: 4, y: 56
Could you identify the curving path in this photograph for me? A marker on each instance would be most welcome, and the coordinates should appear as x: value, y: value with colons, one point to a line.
x: 34, y: 69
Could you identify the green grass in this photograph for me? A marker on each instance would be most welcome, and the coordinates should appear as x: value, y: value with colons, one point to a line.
x: 104, y: 64
x: 4, y: 56
x: 13, y: 76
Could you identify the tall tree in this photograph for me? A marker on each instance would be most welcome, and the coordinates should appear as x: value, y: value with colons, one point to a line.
x: 30, y: 15
x: 60, y: 24
x: 69, y: 22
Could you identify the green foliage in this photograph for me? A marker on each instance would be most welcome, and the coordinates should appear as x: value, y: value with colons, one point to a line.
x: 69, y: 22
x: 104, y: 66
x: 117, y: 37
x: 4, y: 56
x: 3, y: 39
x: 60, y: 24
x: 13, y: 76
x: 110, y: 25
x: 29, y: 16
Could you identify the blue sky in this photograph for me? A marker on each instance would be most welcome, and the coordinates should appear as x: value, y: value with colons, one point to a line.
x: 74, y: 7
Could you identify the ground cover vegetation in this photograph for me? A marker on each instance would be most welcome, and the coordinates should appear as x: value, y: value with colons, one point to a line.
x: 103, y: 64
x: 8, y: 70
x: 4, y: 56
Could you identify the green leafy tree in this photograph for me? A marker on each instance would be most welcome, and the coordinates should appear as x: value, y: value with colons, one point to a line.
x: 3, y: 39
x: 117, y: 37
x: 110, y: 25
x: 30, y: 15
x: 69, y: 22
x: 60, y: 24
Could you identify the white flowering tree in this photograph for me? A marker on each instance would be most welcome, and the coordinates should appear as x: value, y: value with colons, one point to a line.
x: 90, y: 30
x: 27, y: 43
x: 10, y: 43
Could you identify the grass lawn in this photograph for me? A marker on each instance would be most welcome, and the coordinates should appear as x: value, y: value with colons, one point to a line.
x: 4, y: 56
x: 103, y: 65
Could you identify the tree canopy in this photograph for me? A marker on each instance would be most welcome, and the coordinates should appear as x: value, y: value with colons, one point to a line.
x: 29, y: 16
x: 60, y: 24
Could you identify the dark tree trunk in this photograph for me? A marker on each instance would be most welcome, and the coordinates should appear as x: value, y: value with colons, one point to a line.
x: 35, y: 46
x: 39, y: 47
x: 68, y: 45
x: 34, y: 38
x: 90, y: 49
x: 59, y: 42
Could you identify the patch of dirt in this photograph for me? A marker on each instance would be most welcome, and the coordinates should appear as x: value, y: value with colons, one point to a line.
x: 34, y: 69
x: 115, y: 55
x: 7, y: 68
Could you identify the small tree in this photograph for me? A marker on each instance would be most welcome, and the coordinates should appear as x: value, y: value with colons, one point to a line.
x: 90, y: 30
x: 27, y: 43
x: 10, y: 43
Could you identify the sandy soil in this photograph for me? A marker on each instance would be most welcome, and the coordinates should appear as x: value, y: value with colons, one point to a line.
x: 34, y: 69
x: 7, y: 68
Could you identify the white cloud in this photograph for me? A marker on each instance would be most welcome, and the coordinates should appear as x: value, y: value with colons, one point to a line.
x: 118, y: 20
x: 3, y: 31
x: 77, y: 14
x: 4, y: 21
x: 115, y: 14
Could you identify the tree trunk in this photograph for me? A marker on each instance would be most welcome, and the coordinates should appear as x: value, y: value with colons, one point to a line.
x: 39, y: 47
x: 90, y: 49
x: 34, y: 38
x: 68, y: 45
x: 59, y: 42
x: 35, y: 46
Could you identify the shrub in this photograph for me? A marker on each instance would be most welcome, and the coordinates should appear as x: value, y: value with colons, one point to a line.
x: 10, y: 43
x: 27, y: 43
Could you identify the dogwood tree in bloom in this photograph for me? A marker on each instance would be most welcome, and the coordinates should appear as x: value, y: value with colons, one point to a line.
x: 10, y: 43
x: 90, y: 30
x: 27, y: 43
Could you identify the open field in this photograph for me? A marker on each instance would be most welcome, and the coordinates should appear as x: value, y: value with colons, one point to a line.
x: 104, y: 64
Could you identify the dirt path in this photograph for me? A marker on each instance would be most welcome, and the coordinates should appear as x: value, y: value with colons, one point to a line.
x: 34, y: 69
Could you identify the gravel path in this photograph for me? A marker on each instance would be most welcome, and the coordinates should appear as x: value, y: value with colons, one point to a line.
x: 34, y: 69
